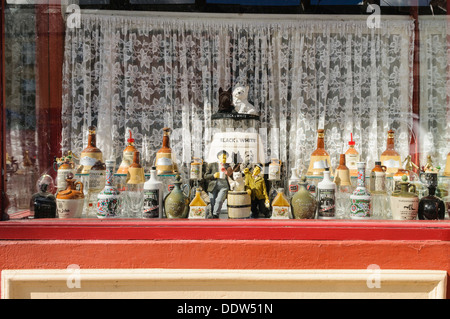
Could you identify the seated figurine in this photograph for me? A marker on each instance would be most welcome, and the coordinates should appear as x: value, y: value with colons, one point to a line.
x: 237, y: 184
x: 242, y: 105
x: 257, y: 191
x: 226, y: 101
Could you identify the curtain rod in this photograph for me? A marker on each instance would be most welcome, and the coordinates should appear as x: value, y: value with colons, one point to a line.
x: 241, y: 16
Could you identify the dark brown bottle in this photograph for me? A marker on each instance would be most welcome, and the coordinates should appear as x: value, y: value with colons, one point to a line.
x: 431, y: 207
x: 43, y: 203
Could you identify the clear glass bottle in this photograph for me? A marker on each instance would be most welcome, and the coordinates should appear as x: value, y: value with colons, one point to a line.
x: 344, y: 188
x: 134, y: 194
x: 378, y: 191
x: 326, y: 197
x: 153, y: 196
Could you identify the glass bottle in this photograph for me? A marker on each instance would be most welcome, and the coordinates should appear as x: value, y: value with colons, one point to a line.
x: 134, y: 195
x: 352, y: 157
x: 378, y: 190
x: 281, y: 208
x: 109, y: 200
x: 91, y: 154
x: 326, y: 197
x: 303, y: 203
x: 404, y: 204
x: 360, y: 198
x: 344, y: 188
x: 431, y: 207
x: 390, y: 157
x: 153, y: 196
x: 128, y: 154
x: 197, y: 207
x: 43, y: 203
x: 293, y: 182
x: 320, y: 157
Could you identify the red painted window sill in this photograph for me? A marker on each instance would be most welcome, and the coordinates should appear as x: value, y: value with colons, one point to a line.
x: 165, y: 229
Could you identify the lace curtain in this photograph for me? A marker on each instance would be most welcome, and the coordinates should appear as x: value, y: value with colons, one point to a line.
x: 435, y: 89
x: 148, y: 72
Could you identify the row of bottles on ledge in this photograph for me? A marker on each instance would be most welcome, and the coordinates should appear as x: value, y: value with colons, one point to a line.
x: 334, y: 198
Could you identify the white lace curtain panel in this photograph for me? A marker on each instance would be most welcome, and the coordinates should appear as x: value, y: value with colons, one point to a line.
x: 148, y: 72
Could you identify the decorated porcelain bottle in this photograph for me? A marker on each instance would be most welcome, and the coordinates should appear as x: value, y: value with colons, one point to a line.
x: 404, y: 204
x: 390, y: 158
x: 281, y: 208
x: 361, y: 198
x: 352, y: 157
x: 134, y: 197
x: 320, y: 158
x: 303, y: 203
x: 109, y: 200
x: 153, y: 196
x: 197, y: 207
x: 326, y: 197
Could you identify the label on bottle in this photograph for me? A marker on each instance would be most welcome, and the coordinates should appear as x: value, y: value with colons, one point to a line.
x: 97, y: 180
x: 351, y: 160
x: 197, y: 212
x: 404, y: 208
x: 151, y: 203
x: 280, y: 212
x: 326, y: 203
x: 293, y: 188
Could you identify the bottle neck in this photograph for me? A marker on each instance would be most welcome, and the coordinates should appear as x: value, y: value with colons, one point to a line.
x: 320, y: 141
x: 91, y: 140
x: 390, y: 143
x: 361, y: 177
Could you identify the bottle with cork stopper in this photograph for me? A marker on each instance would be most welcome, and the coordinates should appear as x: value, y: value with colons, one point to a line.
x: 352, y: 157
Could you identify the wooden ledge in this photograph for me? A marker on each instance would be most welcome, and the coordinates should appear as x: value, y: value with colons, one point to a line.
x: 264, y: 229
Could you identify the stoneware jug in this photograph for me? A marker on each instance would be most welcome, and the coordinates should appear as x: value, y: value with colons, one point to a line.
x: 303, y: 203
x: 176, y: 204
x: 70, y: 202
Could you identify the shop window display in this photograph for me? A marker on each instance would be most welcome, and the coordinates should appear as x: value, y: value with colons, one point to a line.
x: 138, y: 77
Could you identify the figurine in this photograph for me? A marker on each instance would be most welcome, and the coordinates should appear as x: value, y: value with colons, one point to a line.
x: 240, y: 95
x: 237, y: 183
x: 217, y: 180
x: 226, y: 101
x: 257, y: 190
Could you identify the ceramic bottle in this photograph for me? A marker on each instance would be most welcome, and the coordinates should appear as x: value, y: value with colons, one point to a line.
x: 109, y: 199
x: 164, y: 161
x: 326, y: 197
x: 431, y: 207
x: 134, y: 194
x: 91, y: 154
x: 447, y: 166
x: 197, y: 207
x: 275, y: 170
x: 293, y: 182
x: 360, y: 198
x: 319, y: 157
x: 70, y: 202
x: 390, y: 158
x: 153, y: 196
x: 63, y: 166
x: 342, y: 174
x: 303, y: 203
x: 352, y: 157
x: 127, y: 156
x: 281, y: 208
x: 404, y: 204
x: 43, y: 203
x: 176, y: 203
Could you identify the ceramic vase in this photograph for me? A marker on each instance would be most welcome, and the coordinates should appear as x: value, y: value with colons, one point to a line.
x: 360, y: 199
x: 303, y: 203
x: 109, y: 200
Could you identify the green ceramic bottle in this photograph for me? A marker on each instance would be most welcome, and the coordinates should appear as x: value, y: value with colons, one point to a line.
x: 404, y: 204
x: 303, y: 202
x: 176, y: 204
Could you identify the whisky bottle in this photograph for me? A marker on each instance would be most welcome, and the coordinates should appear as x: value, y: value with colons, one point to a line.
x: 319, y: 157
x: 390, y: 157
